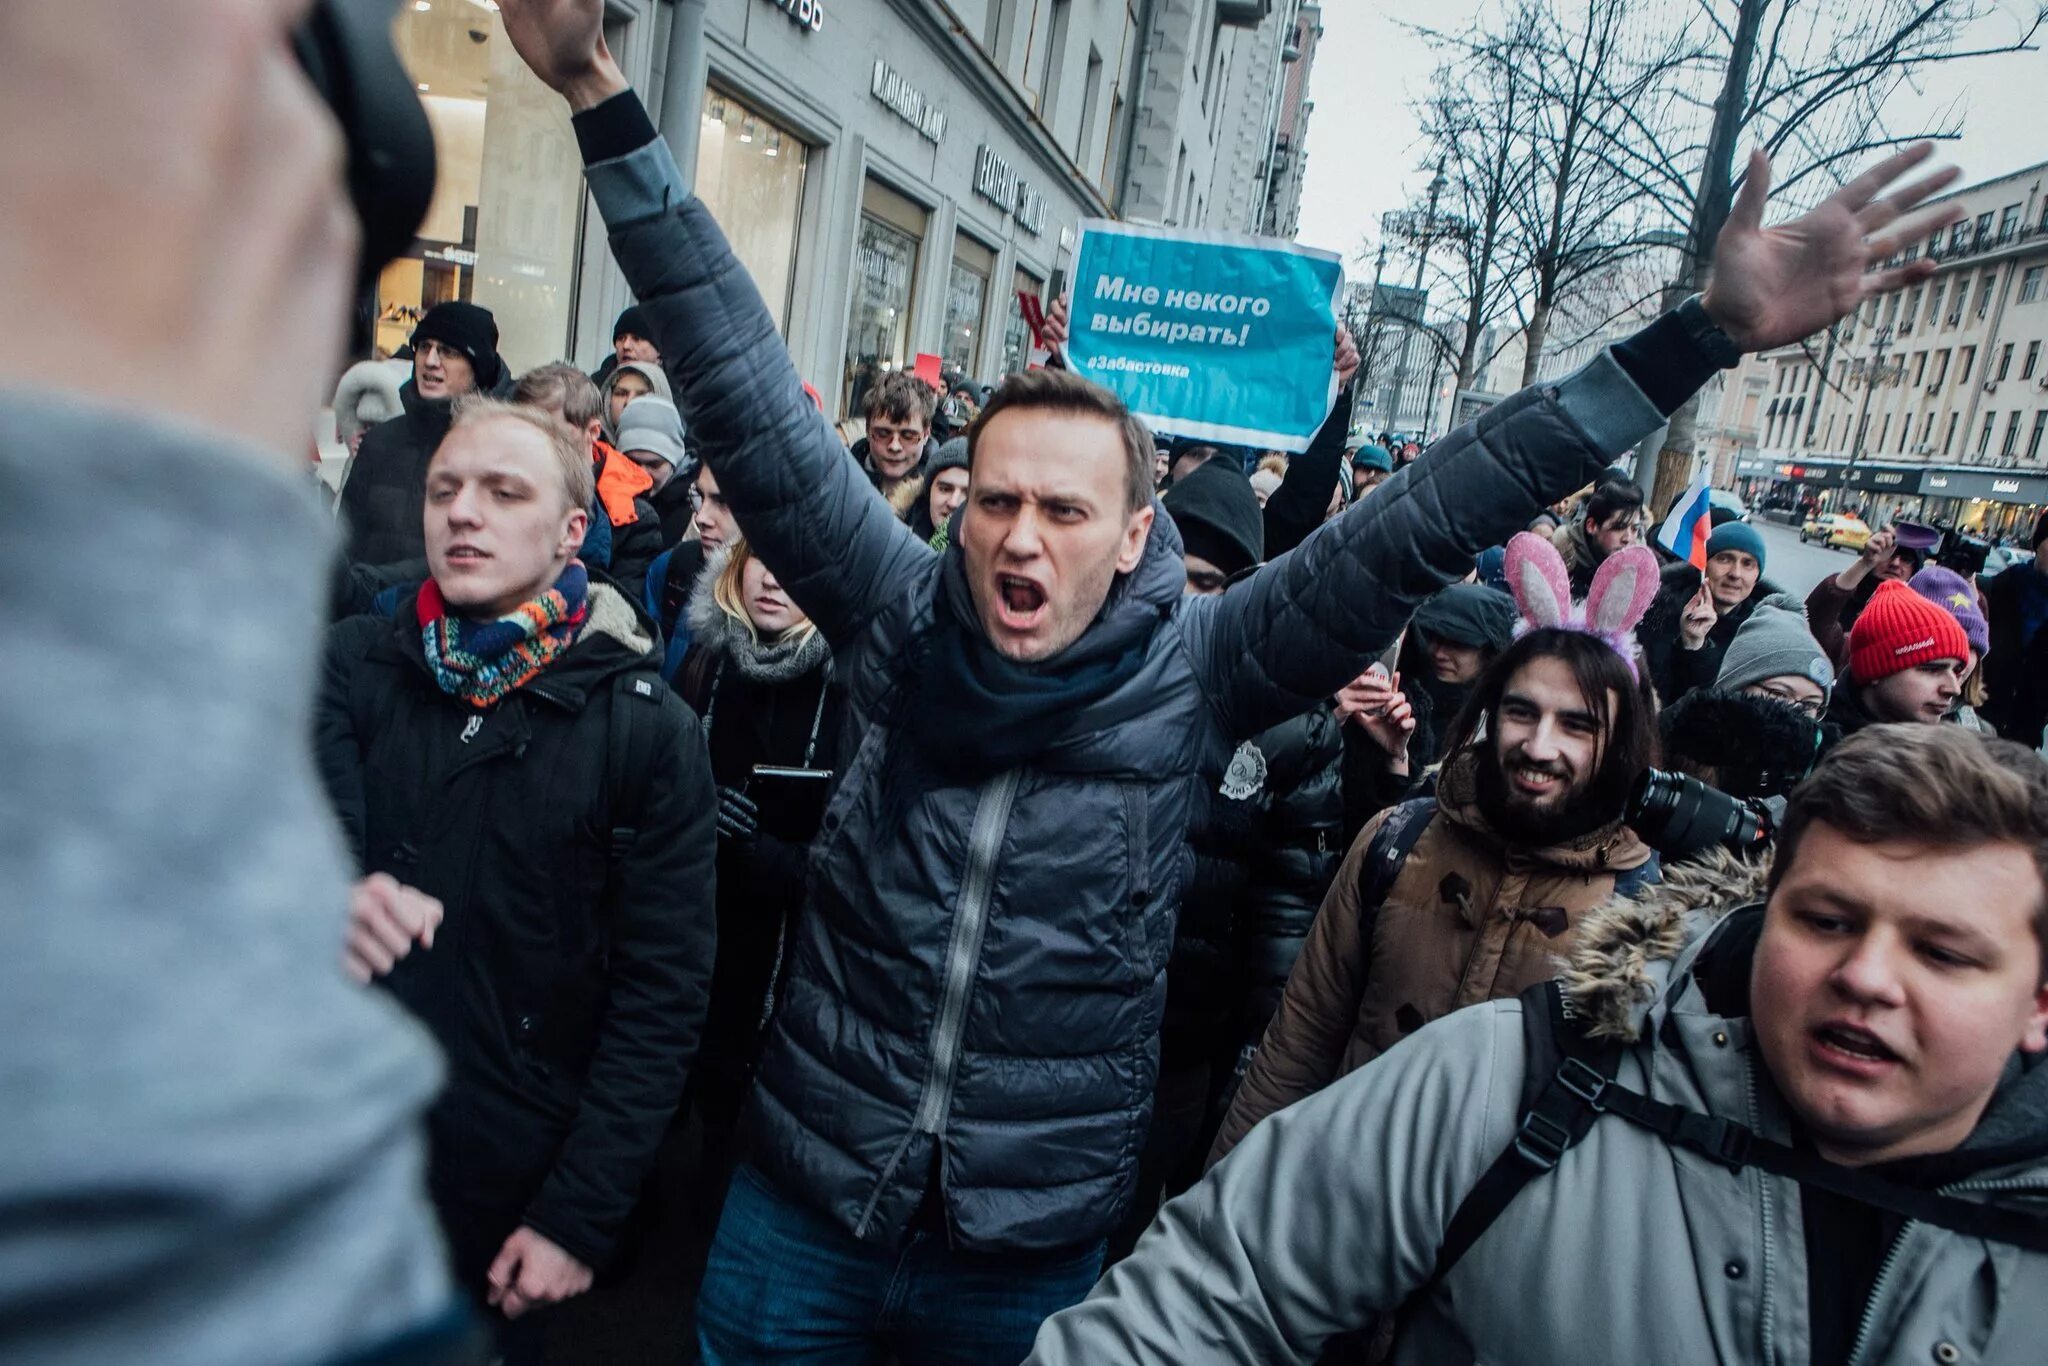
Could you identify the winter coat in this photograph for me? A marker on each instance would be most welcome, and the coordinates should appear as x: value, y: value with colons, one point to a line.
x: 975, y: 986
x: 384, y: 497
x: 2016, y: 669
x: 1675, y: 670
x: 1468, y: 918
x: 761, y: 704
x: 1581, y: 560
x: 1264, y: 841
x: 1629, y: 1251
x: 210, y: 1139
x: 568, y: 832
x: 673, y: 510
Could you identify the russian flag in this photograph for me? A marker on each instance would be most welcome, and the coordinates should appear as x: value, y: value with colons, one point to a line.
x: 1684, y: 532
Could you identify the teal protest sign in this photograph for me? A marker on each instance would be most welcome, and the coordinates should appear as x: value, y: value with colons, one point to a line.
x: 1207, y: 334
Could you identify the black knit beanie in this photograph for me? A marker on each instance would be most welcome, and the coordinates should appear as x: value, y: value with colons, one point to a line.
x: 468, y: 329
x: 1218, y: 516
x: 634, y: 322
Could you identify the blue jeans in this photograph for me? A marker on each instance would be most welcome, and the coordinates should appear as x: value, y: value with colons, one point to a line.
x: 785, y: 1284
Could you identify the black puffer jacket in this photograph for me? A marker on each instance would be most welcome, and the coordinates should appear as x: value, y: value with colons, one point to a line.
x: 1266, y: 842
x: 567, y: 983
x: 974, y: 992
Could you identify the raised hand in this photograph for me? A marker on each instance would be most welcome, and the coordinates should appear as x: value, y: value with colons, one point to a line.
x: 1772, y: 286
x: 1698, y: 621
x: 563, y: 42
x: 1346, y: 362
x: 385, y: 919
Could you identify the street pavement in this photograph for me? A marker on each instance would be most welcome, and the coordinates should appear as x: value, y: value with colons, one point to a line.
x: 1794, y: 567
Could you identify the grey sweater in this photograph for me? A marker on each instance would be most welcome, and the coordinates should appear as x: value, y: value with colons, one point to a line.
x: 210, y: 1148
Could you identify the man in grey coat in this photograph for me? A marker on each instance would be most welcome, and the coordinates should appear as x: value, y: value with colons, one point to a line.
x: 1844, y: 1009
x: 956, y: 1082
x: 210, y: 1141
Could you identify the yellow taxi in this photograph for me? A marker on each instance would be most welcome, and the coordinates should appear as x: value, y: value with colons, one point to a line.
x: 1835, y: 529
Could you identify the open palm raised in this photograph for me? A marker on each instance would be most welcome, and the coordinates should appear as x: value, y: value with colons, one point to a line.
x: 1772, y: 286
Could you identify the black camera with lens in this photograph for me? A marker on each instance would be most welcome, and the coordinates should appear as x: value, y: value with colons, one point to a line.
x: 1680, y: 816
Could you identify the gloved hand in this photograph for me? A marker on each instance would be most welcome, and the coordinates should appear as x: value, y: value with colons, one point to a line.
x: 738, y: 818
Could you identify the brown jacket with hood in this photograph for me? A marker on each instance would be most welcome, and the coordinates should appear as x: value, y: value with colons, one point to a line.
x: 1468, y: 918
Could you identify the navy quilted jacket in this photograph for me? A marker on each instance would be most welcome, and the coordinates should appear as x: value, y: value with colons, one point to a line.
x: 975, y: 987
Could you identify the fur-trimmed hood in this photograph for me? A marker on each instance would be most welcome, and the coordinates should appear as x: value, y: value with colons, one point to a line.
x: 1627, y: 950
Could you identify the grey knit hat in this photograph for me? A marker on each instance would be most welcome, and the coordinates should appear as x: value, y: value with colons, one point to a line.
x: 652, y: 425
x: 1775, y: 643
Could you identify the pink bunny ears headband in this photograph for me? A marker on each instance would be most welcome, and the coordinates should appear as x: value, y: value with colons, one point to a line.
x: 1622, y: 592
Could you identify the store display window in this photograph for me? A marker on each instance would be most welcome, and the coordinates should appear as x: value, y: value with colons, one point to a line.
x: 966, y: 297
x: 505, y: 221
x: 884, y: 288
x: 750, y: 172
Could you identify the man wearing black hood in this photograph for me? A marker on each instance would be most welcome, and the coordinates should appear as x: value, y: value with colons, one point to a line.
x: 1265, y: 841
x: 455, y: 352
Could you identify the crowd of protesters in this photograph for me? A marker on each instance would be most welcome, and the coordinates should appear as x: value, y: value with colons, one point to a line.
x: 1077, y: 896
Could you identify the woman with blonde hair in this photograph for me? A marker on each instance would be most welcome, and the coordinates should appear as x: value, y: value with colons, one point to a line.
x: 760, y: 675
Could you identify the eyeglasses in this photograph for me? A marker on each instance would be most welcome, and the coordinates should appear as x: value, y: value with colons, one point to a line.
x: 1812, y: 706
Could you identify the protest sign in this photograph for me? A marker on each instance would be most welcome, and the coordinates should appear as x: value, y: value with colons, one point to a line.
x: 1207, y: 334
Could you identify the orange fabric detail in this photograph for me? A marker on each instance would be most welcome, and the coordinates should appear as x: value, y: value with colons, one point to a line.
x: 619, y: 482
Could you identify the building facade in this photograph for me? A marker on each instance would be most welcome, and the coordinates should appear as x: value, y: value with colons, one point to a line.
x: 1288, y: 163
x: 893, y: 172
x: 1932, y: 401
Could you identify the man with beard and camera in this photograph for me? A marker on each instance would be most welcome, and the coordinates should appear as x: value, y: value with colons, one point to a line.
x: 1473, y: 894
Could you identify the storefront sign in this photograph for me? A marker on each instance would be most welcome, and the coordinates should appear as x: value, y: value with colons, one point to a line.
x: 457, y: 256
x: 1997, y: 488
x: 908, y: 103
x: 1001, y: 186
x: 808, y: 15
x: 1242, y: 356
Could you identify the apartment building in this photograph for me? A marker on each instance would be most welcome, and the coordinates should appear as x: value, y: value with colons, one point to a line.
x: 1932, y: 401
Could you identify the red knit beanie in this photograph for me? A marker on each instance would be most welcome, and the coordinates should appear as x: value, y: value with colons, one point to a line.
x: 1900, y: 630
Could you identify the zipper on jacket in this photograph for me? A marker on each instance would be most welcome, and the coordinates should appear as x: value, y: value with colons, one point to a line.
x: 1891, y: 1257
x: 1767, y: 1296
x: 963, y: 953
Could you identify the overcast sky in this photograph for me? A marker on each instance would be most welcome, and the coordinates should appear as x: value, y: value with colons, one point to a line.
x: 1363, y: 138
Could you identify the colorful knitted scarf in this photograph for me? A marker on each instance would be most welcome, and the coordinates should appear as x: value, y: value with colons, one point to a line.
x: 481, y: 661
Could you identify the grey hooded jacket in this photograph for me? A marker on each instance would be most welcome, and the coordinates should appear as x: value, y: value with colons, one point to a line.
x: 210, y: 1140
x: 1330, y: 1214
x: 975, y: 987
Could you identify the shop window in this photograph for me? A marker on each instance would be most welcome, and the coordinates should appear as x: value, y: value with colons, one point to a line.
x: 966, y: 298
x: 884, y: 288
x: 505, y: 221
x: 1016, y: 332
x: 750, y: 172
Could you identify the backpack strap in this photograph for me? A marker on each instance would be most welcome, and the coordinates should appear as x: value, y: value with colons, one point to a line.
x: 1566, y: 1073
x: 626, y: 771
x: 1389, y: 849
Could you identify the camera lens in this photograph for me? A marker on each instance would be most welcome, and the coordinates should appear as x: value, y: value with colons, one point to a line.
x: 1680, y: 816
